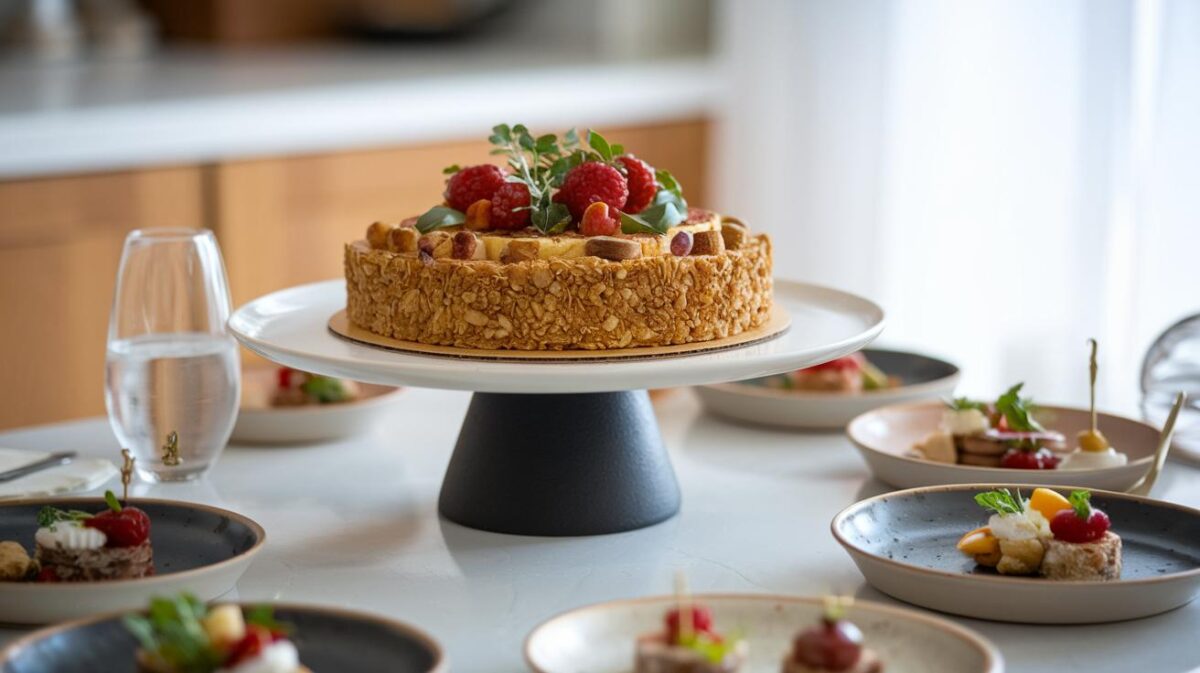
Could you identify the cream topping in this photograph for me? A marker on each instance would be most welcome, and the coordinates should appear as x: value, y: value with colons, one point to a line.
x: 278, y: 657
x: 1092, y: 460
x: 70, y: 535
x: 964, y: 421
x: 1028, y: 525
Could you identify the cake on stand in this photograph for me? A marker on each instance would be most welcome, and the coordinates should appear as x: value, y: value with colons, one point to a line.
x: 555, y: 445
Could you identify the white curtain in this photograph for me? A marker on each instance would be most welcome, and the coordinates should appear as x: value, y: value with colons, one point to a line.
x: 1006, y: 177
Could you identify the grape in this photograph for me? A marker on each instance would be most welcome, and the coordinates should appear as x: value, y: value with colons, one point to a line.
x: 833, y: 646
x: 681, y: 244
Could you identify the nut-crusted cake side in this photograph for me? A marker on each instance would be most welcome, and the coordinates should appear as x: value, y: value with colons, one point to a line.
x: 560, y: 303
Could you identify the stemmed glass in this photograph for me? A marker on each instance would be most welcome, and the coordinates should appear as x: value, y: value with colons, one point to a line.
x: 173, y: 381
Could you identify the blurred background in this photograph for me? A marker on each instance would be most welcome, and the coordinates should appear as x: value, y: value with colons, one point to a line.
x: 1007, y: 178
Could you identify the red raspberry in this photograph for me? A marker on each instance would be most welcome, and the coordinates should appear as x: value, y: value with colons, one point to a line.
x: 128, y: 528
x: 590, y: 182
x: 510, y: 195
x: 472, y: 184
x: 702, y: 622
x: 642, y: 185
x: 597, y: 221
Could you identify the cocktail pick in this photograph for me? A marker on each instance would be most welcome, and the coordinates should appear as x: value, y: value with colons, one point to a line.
x: 126, y: 473
x: 171, y: 449
x: 1092, y: 439
x: 683, y: 602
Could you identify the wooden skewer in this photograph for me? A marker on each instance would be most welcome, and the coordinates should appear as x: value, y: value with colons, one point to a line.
x: 126, y: 473
x: 682, y: 602
x: 1092, y: 367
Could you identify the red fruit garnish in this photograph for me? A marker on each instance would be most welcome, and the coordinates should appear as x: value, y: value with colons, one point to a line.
x: 47, y: 574
x: 127, y: 528
x: 1068, y: 526
x: 285, y: 377
x: 250, y: 646
x: 852, y: 362
x: 505, y: 201
x: 590, y: 182
x: 701, y: 622
x: 1025, y: 459
x: 472, y: 184
x: 598, y: 220
x: 642, y: 186
x: 832, y: 646
x: 681, y: 244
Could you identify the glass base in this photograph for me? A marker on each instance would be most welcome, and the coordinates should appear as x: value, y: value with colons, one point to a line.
x: 171, y: 474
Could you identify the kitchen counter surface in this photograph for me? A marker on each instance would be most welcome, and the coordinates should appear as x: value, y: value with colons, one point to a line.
x: 354, y: 523
x: 197, y: 106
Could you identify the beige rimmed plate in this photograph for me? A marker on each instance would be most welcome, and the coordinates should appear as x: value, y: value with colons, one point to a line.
x: 197, y: 548
x: 752, y: 401
x: 260, y: 423
x: 330, y: 640
x: 600, y: 638
x: 904, y: 544
x: 885, y: 437
x: 777, y: 323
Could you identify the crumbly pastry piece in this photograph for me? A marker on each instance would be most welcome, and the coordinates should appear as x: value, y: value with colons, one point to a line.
x: 1099, y: 560
x: 656, y: 655
x: 15, y: 564
x: 105, y: 563
x: 559, y: 303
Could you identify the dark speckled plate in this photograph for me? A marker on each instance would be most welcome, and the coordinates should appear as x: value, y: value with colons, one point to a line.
x: 330, y: 641
x: 904, y: 544
x: 197, y: 548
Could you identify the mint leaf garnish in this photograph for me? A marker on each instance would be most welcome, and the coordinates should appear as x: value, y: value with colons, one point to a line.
x: 1001, y: 501
x: 965, y: 403
x: 451, y: 169
x: 656, y: 219
x: 325, y: 389
x: 438, y: 217
x: 48, y: 516
x: 1018, y: 411
x: 1081, y: 503
x: 111, y: 499
x: 598, y: 143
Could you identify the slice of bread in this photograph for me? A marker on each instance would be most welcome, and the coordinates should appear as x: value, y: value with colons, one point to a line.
x: 1099, y: 560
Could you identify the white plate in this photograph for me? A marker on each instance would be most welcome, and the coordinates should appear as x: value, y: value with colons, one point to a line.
x: 921, y: 377
x: 311, y: 423
x: 600, y: 638
x: 884, y: 437
x: 290, y: 327
x: 199, y: 549
x: 904, y: 544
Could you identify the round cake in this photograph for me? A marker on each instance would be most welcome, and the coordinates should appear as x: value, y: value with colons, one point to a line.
x: 571, y: 246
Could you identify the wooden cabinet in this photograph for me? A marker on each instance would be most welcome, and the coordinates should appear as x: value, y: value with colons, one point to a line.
x: 280, y: 222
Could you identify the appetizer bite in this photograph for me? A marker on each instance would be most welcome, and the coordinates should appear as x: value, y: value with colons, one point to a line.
x: 1093, y: 450
x: 75, y: 546
x: 16, y: 565
x: 295, y: 388
x: 850, y: 374
x: 689, y: 643
x: 1048, y: 535
x: 835, y: 644
x: 1002, y: 434
x: 182, y: 635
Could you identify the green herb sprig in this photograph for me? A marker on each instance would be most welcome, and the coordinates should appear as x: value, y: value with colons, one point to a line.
x: 48, y: 516
x: 966, y: 403
x: 1081, y: 503
x: 325, y: 389
x: 172, y: 630
x: 1001, y: 501
x: 1018, y: 411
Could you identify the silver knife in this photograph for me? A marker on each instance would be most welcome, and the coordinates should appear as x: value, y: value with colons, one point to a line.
x: 53, y: 460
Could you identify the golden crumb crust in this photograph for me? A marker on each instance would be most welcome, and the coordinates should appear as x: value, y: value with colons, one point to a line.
x: 560, y: 303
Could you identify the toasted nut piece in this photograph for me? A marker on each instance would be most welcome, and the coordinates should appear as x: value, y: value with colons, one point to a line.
x: 707, y: 243
x: 403, y: 239
x: 520, y: 251
x: 435, y: 243
x: 464, y: 245
x: 730, y: 219
x: 426, y: 258
x: 377, y: 235
x: 734, y: 235
x: 611, y: 247
x: 479, y: 215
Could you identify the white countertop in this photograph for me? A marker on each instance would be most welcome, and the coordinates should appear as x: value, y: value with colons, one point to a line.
x: 199, y: 106
x: 355, y: 524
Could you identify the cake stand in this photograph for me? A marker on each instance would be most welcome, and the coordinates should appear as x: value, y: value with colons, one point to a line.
x: 563, y: 447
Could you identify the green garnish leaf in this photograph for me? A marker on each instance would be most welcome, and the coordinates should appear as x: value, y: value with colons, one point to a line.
x: 571, y: 139
x: 656, y: 219
x: 264, y: 616
x: 551, y: 219
x: 325, y: 389
x: 438, y: 217
x: 668, y: 182
x: 111, y: 499
x: 501, y: 135
x: 1001, y: 501
x: 48, y: 516
x: 1018, y: 411
x: 714, y: 651
x: 965, y: 403
x: 873, y: 377
x: 600, y: 145
x: 172, y: 631
x: 1081, y: 503
x: 451, y: 169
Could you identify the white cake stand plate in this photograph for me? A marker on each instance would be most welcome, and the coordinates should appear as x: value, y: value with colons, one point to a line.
x: 555, y: 448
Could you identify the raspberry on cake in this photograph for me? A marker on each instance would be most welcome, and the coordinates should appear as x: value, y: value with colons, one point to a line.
x: 582, y: 246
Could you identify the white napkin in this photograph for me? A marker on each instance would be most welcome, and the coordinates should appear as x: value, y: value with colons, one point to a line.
x: 81, y: 474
